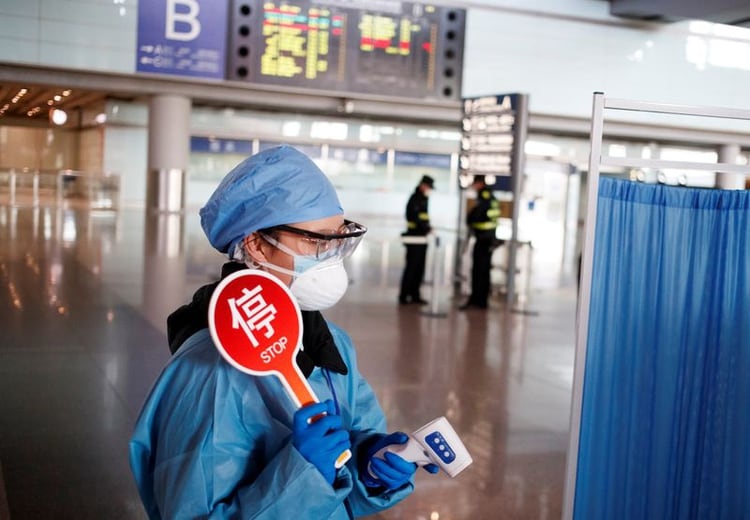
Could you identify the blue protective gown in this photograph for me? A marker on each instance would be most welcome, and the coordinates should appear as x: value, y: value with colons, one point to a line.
x: 214, y: 442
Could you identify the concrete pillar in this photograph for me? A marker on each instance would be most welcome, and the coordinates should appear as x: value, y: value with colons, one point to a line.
x: 728, y: 153
x: 168, y: 157
x: 168, y: 152
x: 164, y: 265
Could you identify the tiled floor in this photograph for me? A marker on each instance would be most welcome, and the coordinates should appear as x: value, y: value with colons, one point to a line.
x: 83, y: 301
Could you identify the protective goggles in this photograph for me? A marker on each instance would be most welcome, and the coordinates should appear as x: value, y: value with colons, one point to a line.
x: 320, y: 246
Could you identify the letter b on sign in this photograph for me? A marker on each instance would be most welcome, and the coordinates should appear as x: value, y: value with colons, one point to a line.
x: 186, y: 19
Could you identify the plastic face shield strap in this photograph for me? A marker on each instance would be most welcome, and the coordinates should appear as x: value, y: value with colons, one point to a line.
x: 320, y: 246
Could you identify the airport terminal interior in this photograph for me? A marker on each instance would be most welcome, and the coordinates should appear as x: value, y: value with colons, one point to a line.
x: 108, y: 150
x: 84, y: 306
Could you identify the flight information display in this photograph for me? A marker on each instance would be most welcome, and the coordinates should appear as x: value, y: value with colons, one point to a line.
x: 378, y: 47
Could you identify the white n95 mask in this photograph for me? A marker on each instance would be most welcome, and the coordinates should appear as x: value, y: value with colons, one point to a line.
x: 318, y: 285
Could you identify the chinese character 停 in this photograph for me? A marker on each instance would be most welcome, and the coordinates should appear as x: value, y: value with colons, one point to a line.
x: 252, y: 314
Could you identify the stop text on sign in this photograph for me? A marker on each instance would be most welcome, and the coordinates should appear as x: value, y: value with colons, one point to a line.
x: 274, y: 349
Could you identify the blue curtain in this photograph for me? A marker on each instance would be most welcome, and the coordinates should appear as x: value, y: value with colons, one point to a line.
x: 665, y: 425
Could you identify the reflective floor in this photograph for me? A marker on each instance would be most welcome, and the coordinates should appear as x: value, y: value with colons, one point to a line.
x: 83, y: 301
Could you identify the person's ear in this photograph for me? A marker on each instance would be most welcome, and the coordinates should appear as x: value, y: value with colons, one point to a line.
x: 254, y: 247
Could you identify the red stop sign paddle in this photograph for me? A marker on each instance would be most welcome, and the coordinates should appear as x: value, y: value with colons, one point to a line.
x: 256, y: 324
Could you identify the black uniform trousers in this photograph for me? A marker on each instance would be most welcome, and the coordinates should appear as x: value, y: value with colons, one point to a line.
x: 480, y: 270
x: 413, y: 275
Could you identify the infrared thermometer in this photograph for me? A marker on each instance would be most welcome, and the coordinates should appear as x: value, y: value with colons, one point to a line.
x: 436, y: 442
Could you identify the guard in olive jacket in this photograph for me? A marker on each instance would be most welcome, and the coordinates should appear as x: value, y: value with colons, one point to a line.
x: 417, y: 225
x: 482, y: 221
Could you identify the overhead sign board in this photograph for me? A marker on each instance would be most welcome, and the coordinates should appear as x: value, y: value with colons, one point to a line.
x: 384, y: 47
x: 182, y: 37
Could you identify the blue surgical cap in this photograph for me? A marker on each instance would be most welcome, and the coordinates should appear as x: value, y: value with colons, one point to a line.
x: 277, y: 186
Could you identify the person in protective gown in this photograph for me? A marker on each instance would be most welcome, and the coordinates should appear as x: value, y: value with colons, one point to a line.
x: 417, y: 225
x: 214, y: 442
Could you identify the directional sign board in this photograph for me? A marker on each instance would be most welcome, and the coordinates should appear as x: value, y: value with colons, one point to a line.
x: 493, y: 137
x: 491, y: 129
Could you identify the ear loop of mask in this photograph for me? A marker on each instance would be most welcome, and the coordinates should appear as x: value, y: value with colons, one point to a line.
x: 240, y: 255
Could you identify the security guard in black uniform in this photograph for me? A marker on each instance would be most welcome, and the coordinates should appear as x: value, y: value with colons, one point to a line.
x: 482, y: 221
x: 417, y: 225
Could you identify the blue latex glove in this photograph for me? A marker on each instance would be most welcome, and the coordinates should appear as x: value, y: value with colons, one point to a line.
x: 391, y: 471
x: 321, y: 441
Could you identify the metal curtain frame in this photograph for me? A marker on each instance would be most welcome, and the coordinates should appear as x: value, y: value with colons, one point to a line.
x: 596, y: 159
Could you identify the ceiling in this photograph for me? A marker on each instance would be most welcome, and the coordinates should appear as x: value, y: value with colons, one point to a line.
x: 731, y: 12
x: 33, y: 103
